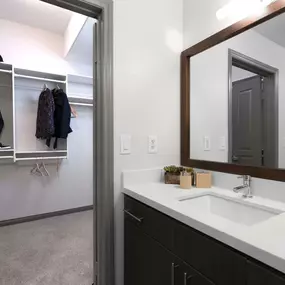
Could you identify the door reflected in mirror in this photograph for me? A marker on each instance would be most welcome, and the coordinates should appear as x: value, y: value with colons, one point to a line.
x: 237, y: 99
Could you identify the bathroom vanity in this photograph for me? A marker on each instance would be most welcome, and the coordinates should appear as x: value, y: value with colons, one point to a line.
x: 201, y: 237
x: 232, y: 100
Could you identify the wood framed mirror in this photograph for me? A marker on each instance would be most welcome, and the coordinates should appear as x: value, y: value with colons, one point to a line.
x: 233, y: 98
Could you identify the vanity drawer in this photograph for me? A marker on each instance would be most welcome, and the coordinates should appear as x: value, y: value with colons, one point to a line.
x: 155, y: 224
x: 216, y: 261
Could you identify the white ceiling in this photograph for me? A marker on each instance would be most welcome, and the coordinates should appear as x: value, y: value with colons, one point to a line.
x: 36, y: 14
x: 273, y: 30
x: 82, y: 49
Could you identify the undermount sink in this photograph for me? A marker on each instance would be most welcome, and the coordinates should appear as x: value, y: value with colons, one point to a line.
x: 237, y: 211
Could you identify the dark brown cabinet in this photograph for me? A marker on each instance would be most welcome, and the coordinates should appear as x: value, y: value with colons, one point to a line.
x: 146, y: 261
x: 149, y: 263
x: 162, y: 251
x: 259, y: 275
x: 217, y: 262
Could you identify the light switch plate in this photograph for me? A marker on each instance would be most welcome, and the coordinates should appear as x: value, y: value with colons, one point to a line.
x: 207, y: 143
x: 126, y: 144
x: 222, y: 143
x: 152, y: 144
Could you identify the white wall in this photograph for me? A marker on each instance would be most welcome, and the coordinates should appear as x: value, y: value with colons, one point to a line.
x: 199, y: 20
x: 239, y: 74
x: 31, y: 48
x: 74, y: 27
x: 147, y: 41
x: 22, y: 194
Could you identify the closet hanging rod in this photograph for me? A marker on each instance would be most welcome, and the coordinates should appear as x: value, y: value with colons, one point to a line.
x: 6, y: 157
x: 6, y: 150
x: 6, y: 71
x: 40, y: 151
x: 81, y: 104
x: 41, y: 158
x: 6, y: 86
x: 80, y: 96
x: 40, y: 78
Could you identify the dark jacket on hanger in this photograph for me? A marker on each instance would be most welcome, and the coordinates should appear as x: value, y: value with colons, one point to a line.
x: 1, y: 124
x: 62, y: 115
x: 45, y: 117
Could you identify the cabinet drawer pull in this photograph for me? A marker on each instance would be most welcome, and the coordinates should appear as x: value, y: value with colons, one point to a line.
x: 133, y: 216
x: 173, y: 267
x: 186, y: 278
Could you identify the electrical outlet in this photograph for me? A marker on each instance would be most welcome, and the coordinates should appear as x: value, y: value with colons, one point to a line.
x: 152, y: 144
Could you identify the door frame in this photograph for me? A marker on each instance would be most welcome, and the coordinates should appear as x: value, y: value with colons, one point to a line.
x: 245, y: 62
x: 103, y: 133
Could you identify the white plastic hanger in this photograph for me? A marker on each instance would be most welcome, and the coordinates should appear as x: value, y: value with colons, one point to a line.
x: 42, y: 165
x: 36, y: 170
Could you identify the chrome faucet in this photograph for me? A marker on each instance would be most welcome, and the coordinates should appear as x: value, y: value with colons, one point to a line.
x: 245, y: 187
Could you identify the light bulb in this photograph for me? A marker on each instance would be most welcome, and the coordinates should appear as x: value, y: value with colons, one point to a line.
x: 239, y: 9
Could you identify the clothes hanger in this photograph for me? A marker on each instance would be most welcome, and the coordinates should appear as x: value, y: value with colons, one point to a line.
x: 42, y: 165
x: 36, y: 170
x: 73, y: 112
x: 45, y: 87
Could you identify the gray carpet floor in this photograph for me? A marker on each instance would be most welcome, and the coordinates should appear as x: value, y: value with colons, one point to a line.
x: 54, y: 251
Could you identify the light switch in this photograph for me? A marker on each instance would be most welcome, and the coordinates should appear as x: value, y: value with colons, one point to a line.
x: 126, y: 144
x: 207, y: 143
x: 152, y: 144
x: 222, y: 143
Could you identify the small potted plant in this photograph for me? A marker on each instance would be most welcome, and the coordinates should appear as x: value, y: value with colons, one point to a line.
x: 172, y: 173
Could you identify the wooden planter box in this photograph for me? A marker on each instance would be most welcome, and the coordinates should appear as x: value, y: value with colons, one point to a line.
x: 172, y: 178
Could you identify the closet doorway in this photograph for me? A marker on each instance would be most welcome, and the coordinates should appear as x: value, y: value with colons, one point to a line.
x: 31, y: 79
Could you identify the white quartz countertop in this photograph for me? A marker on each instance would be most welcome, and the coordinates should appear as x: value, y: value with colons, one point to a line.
x: 264, y: 241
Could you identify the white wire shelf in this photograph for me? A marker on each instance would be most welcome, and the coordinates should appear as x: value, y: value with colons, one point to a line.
x: 5, y: 67
x: 38, y: 75
x: 79, y: 79
x: 80, y: 101
x: 6, y: 150
x: 81, y: 104
x: 40, y: 155
x: 39, y: 78
x: 5, y: 71
x: 41, y: 158
x: 40, y: 151
x: 7, y: 157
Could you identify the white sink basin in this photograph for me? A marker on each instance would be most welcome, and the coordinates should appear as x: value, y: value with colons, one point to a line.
x: 234, y: 210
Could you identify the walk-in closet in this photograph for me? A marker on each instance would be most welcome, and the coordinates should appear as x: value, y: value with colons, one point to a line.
x: 45, y: 48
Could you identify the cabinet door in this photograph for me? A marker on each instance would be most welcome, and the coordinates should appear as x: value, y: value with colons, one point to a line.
x: 218, y: 263
x: 260, y: 275
x: 188, y: 276
x: 146, y: 261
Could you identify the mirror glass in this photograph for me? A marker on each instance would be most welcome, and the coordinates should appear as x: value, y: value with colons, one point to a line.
x: 237, y: 99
